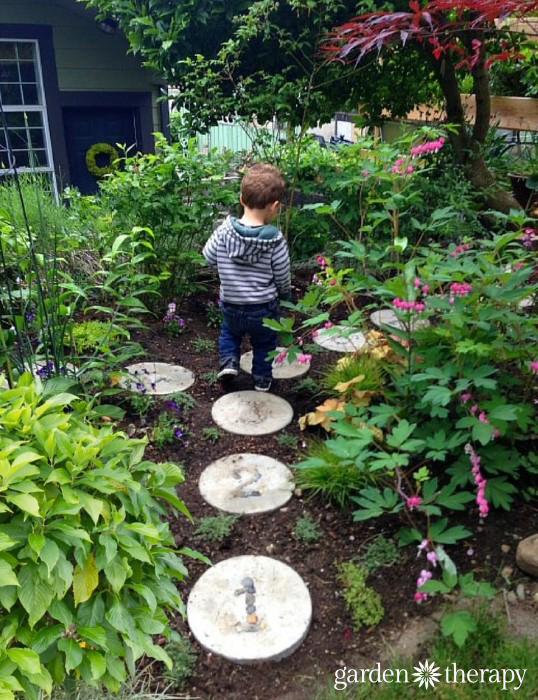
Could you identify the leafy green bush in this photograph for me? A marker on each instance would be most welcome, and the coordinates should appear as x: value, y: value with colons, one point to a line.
x: 363, y: 602
x: 179, y: 194
x: 88, y: 565
x: 95, y: 336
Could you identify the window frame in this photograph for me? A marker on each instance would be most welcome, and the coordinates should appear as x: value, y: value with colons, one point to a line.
x: 42, y: 108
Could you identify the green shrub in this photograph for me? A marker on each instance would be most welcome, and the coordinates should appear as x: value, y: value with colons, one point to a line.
x: 362, y: 602
x: 179, y: 194
x: 88, y: 564
x: 92, y: 336
x: 349, y: 368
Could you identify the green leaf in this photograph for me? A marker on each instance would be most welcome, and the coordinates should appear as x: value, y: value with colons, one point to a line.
x: 46, y: 637
x: 116, y: 574
x: 73, y: 653
x: 97, y: 663
x: 34, y: 594
x: 93, y: 506
x: 24, y: 501
x: 59, y: 611
x: 400, y: 433
x: 50, y: 554
x: 121, y: 619
x: 85, y: 580
x: 458, y: 625
x: 7, y: 575
x: 27, y: 660
x: 95, y: 635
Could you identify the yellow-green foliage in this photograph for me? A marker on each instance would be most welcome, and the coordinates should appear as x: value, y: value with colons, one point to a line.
x: 363, y: 602
x: 90, y: 336
x: 349, y: 367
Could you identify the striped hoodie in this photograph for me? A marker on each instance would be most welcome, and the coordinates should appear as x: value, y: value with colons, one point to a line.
x: 252, y: 261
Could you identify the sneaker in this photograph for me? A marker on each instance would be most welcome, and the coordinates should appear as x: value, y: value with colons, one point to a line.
x: 229, y: 368
x: 262, y: 384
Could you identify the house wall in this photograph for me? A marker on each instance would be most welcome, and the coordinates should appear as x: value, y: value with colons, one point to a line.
x: 86, y: 59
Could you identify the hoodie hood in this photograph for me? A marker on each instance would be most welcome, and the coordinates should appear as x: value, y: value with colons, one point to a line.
x: 247, y: 244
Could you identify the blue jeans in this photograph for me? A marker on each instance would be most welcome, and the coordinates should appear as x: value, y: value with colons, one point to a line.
x: 239, y: 320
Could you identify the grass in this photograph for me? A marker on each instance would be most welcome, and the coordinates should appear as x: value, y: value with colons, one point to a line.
x: 200, y: 344
x: 287, y: 440
x: 488, y: 647
x: 350, y: 367
x: 324, y: 473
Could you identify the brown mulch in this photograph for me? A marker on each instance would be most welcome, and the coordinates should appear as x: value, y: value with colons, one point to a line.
x: 331, y: 642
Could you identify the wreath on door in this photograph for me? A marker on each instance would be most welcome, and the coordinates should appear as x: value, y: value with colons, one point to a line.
x: 101, y: 149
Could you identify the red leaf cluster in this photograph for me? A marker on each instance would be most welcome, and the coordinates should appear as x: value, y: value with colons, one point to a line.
x: 458, y: 26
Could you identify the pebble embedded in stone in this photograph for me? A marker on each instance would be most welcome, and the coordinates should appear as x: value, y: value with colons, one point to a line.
x: 252, y: 413
x: 281, y: 370
x: 251, y: 609
x: 389, y: 318
x: 220, y: 622
x: 226, y: 484
x: 340, y: 339
x: 157, y: 378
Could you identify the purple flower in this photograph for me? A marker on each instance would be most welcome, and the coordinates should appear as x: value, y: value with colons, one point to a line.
x: 172, y: 405
x: 178, y: 434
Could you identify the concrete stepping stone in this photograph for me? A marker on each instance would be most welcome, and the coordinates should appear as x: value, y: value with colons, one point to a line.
x: 246, y: 483
x: 251, y: 413
x: 388, y: 317
x: 250, y: 609
x: 339, y: 339
x: 158, y: 378
x: 281, y: 370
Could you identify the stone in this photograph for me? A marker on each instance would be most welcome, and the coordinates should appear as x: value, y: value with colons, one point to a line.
x: 252, y: 413
x: 340, y: 339
x: 511, y: 597
x: 157, y: 378
x: 527, y: 555
x: 507, y: 571
x: 218, y: 620
x: 227, y: 484
x: 520, y: 591
x: 281, y: 370
x: 389, y: 318
x: 251, y: 609
x: 505, y: 548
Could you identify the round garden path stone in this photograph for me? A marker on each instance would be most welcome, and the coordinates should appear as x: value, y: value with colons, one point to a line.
x: 158, y: 378
x: 388, y: 317
x: 268, y: 626
x: 339, y: 339
x: 246, y: 483
x: 251, y: 413
x: 281, y: 370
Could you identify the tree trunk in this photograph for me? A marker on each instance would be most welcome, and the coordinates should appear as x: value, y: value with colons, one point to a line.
x: 467, y: 146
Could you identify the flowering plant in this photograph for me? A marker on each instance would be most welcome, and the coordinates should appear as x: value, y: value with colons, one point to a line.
x: 173, y: 324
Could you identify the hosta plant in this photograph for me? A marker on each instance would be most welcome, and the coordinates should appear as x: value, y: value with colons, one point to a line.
x: 87, y: 564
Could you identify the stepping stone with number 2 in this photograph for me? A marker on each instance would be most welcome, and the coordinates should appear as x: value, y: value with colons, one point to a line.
x: 246, y: 483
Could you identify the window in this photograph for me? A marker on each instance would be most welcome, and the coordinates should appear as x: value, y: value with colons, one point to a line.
x: 23, y: 102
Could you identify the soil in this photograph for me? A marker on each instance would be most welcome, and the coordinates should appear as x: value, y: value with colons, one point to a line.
x: 331, y: 641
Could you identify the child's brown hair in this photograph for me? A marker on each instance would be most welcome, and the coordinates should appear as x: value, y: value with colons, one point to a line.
x: 262, y: 184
